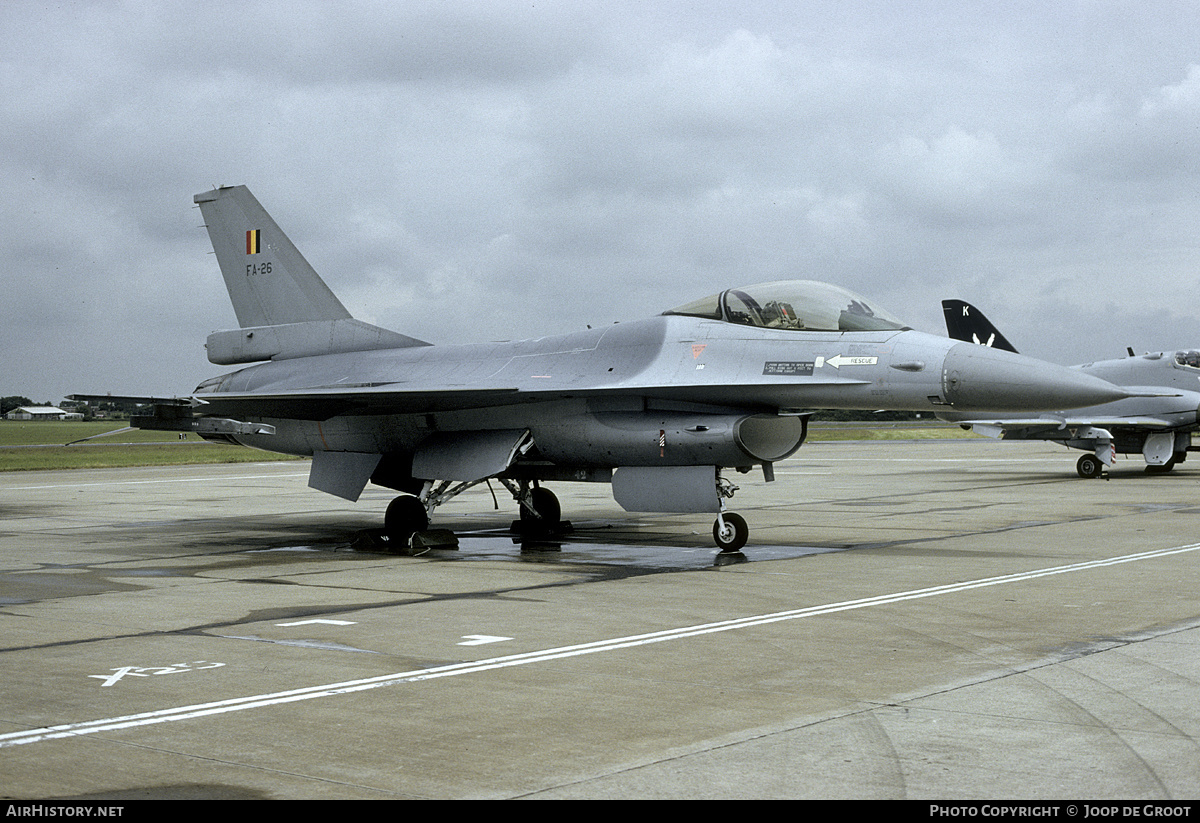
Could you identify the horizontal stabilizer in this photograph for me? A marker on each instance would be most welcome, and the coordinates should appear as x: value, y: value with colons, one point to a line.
x: 128, y: 398
x: 176, y: 414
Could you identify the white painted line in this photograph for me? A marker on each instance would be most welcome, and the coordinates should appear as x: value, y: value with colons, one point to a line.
x: 117, y: 674
x: 67, y: 730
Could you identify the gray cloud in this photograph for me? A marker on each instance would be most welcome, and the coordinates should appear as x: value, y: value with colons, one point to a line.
x: 473, y: 171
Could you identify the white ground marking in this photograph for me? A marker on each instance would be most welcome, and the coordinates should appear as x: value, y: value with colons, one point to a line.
x: 67, y: 730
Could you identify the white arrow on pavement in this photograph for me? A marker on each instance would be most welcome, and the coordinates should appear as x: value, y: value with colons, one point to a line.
x: 481, y: 639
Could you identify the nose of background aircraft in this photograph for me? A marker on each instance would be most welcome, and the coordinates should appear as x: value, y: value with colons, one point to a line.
x: 978, y: 378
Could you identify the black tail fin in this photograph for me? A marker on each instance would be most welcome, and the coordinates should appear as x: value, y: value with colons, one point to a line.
x: 967, y: 323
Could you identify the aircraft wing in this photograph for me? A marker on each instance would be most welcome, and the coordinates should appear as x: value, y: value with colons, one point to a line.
x: 317, y: 404
x: 1031, y: 428
x: 324, y: 403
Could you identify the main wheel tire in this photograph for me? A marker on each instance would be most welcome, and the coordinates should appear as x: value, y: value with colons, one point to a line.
x: 547, y: 508
x: 1089, y: 466
x: 405, y: 515
x: 734, y: 535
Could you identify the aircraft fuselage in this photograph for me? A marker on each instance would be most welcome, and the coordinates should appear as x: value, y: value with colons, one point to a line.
x: 689, y: 377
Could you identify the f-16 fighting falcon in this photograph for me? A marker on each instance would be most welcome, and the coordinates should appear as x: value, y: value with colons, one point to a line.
x: 662, y: 408
x: 1157, y: 424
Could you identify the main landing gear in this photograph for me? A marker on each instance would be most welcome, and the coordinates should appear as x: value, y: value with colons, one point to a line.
x: 406, y: 527
x: 406, y: 522
x: 1089, y: 466
x: 541, y: 514
x: 405, y: 516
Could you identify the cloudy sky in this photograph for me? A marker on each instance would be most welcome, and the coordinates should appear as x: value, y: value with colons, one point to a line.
x: 463, y: 170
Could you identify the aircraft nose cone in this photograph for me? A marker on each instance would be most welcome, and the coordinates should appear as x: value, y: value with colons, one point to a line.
x: 978, y: 378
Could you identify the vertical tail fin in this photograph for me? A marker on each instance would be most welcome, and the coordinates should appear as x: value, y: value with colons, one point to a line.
x: 269, y: 281
x: 284, y: 308
x: 967, y: 323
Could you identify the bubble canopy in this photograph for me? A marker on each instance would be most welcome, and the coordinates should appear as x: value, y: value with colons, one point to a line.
x: 1188, y: 358
x: 800, y: 305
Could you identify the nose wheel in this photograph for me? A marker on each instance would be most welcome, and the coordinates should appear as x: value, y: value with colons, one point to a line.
x: 730, y: 533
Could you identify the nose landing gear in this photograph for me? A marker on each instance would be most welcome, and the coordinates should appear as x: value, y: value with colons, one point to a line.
x: 730, y: 531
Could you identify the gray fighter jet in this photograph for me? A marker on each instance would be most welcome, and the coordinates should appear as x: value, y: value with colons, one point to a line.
x: 660, y: 408
x: 1158, y: 424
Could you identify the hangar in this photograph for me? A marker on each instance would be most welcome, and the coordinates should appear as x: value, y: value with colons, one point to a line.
x: 41, y: 413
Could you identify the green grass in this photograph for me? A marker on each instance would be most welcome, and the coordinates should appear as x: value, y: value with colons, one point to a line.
x: 58, y: 433
x: 29, y: 446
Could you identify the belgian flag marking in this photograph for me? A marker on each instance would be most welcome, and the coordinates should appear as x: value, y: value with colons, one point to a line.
x: 252, y: 241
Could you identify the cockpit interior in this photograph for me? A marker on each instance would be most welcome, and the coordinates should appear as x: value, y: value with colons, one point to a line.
x: 801, y: 305
x: 1189, y: 359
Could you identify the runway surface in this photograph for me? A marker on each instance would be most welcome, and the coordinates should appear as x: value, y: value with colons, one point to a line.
x: 933, y: 620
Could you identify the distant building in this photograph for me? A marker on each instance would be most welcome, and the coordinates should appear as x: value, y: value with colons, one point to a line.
x: 42, y: 413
